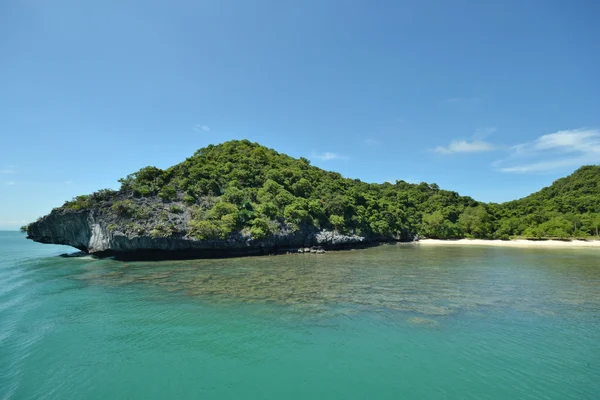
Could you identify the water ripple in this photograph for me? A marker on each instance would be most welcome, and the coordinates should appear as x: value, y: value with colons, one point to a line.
x: 386, y: 322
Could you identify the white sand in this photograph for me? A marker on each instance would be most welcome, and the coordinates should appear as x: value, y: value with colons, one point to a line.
x: 513, y: 243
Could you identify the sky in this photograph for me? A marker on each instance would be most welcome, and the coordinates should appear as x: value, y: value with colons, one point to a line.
x: 493, y: 99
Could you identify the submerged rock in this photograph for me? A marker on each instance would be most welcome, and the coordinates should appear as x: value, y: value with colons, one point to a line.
x: 424, y: 322
x: 74, y: 255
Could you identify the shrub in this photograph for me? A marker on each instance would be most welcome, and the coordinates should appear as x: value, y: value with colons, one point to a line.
x: 103, y: 194
x: 124, y: 208
x: 233, y: 195
x: 78, y: 203
x: 302, y: 188
x: 142, y: 191
x: 268, y: 209
x: 189, y: 199
x: 205, y: 230
x: 337, y: 221
x: 136, y: 228
x: 260, y: 228
x: 142, y: 213
x: 222, y: 208
x: 163, y: 230
x: 228, y: 223
x: 168, y: 193
x: 296, y: 213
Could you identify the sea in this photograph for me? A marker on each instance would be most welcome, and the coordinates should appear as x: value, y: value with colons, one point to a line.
x: 397, y: 321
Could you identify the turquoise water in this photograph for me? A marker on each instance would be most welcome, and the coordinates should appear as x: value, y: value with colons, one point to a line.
x: 389, y: 322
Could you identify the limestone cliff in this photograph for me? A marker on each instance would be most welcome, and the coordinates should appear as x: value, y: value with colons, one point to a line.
x: 101, y: 231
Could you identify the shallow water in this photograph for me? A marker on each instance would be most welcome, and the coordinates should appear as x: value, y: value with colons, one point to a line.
x: 388, y: 322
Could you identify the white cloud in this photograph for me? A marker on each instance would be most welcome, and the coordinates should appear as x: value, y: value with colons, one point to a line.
x: 543, y: 166
x: 574, y: 140
x: 9, y: 183
x: 68, y: 182
x: 552, y: 151
x: 464, y: 146
x: 372, y: 142
x: 199, y: 128
x: 328, y: 156
x: 8, y: 170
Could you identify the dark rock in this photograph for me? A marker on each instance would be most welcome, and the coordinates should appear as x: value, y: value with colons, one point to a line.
x: 74, y: 255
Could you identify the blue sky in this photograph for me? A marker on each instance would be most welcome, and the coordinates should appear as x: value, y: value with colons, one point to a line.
x: 493, y: 99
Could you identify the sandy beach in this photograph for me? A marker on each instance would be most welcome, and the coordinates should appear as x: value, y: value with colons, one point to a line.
x: 512, y: 243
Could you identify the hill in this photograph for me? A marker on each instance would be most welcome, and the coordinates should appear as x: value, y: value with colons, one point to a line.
x: 569, y: 207
x: 241, y: 195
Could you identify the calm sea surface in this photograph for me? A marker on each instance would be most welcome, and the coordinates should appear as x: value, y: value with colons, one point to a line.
x: 396, y: 321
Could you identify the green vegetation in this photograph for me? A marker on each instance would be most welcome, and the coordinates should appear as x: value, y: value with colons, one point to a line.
x: 570, y: 207
x: 217, y: 223
x: 242, y: 186
x: 253, y: 186
x: 163, y: 230
x: 129, y: 209
x: 87, y: 201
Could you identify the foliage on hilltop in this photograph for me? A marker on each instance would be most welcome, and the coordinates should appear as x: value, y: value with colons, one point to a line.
x: 239, y: 185
x: 569, y: 207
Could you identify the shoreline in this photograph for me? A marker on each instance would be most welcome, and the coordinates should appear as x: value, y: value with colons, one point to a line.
x: 523, y: 243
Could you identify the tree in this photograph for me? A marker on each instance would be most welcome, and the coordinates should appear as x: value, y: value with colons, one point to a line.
x: 296, y: 212
x: 558, y: 227
x: 260, y: 228
x: 337, y: 221
x: 597, y: 224
x: 476, y: 221
x: 433, y: 225
x: 302, y: 188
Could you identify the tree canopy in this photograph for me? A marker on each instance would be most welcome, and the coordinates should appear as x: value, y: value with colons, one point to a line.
x: 241, y: 185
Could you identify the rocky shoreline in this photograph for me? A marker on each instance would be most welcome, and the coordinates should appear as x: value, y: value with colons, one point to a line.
x: 88, y: 231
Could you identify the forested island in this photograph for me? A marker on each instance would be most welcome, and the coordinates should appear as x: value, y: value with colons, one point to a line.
x: 239, y: 197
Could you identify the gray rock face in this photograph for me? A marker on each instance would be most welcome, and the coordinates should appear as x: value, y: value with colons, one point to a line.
x: 332, y: 238
x: 69, y: 228
x: 88, y: 230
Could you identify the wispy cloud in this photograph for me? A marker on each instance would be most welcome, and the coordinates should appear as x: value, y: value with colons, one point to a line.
x: 553, y: 151
x: 372, y: 142
x: 201, y: 128
x: 464, y: 146
x: 8, y: 170
x: 68, y: 182
x: 328, y: 156
x: 9, y: 183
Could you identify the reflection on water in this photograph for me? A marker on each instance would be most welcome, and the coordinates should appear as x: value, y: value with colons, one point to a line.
x: 436, y: 281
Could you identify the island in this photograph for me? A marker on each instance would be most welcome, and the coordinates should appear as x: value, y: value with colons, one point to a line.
x: 240, y: 198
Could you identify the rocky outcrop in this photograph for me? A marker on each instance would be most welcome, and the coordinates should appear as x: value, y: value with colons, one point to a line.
x: 95, y: 232
x: 334, y: 239
x: 72, y: 228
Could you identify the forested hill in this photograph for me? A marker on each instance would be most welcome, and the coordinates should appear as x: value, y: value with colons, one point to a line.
x: 239, y: 186
x: 569, y: 207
